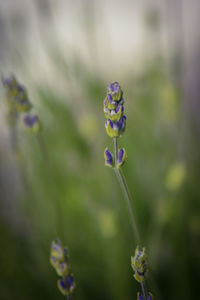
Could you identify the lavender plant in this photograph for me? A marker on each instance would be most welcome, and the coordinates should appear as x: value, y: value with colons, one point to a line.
x: 59, y: 259
x: 18, y: 104
x: 115, y: 126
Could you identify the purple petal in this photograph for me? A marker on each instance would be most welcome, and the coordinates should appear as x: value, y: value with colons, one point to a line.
x: 114, y: 87
x: 62, y: 284
x: 120, y: 155
x: 109, y: 97
x: 70, y: 282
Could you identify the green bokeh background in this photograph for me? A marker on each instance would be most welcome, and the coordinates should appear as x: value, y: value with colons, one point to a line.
x: 64, y: 190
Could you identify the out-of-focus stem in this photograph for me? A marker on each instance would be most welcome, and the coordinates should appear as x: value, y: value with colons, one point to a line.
x: 144, y: 290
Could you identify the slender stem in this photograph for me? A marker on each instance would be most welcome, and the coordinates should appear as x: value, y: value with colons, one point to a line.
x: 115, y: 149
x: 144, y: 290
x: 127, y: 195
x: 125, y: 191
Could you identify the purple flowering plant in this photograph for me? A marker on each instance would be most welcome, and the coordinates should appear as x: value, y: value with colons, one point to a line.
x: 115, y: 126
x: 59, y: 259
x: 18, y: 103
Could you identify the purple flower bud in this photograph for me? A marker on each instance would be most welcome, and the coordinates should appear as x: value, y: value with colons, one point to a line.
x: 66, y: 285
x: 70, y: 282
x: 115, y: 91
x: 118, y: 108
x: 114, y: 87
x: 122, y: 125
x: 9, y: 82
x: 141, y: 297
x: 109, y: 122
x: 30, y: 121
x: 109, y: 97
x: 121, y: 157
x: 108, y: 158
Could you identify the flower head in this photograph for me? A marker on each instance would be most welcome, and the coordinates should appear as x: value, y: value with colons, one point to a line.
x: 59, y: 259
x: 114, y: 111
x: 16, y: 94
x: 139, y: 264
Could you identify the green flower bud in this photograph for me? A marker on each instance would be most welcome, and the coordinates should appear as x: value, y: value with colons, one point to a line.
x: 57, y: 250
x: 139, y: 264
x: 61, y: 268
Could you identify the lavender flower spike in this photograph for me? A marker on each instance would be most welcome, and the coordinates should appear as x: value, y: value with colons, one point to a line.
x: 114, y: 111
x: 16, y: 95
x: 59, y: 259
x: 139, y: 265
x: 108, y: 158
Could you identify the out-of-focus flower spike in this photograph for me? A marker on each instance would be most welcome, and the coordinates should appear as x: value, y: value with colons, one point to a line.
x: 139, y: 264
x: 10, y: 83
x: 59, y: 260
x: 57, y: 250
x: 141, y: 297
x: 32, y: 123
x: 16, y: 94
x: 121, y: 157
x: 108, y: 158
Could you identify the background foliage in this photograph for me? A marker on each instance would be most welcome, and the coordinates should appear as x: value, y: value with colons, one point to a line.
x: 59, y: 186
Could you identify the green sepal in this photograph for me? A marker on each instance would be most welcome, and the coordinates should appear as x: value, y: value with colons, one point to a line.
x: 111, y: 131
x: 111, y: 105
x: 113, y: 116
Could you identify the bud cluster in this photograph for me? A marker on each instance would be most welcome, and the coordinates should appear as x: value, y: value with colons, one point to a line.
x: 139, y: 264
x: 18, y: 103
x: 109, y: 160
x: 114, y: 111
x: 59, y: 259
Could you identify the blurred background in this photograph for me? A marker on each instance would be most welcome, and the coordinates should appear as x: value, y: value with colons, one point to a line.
x: 66, y: 52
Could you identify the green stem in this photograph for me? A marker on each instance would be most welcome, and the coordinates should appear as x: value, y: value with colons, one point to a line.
x: 127, y: 196
x: 144, y: 290
x: 126, y: 193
